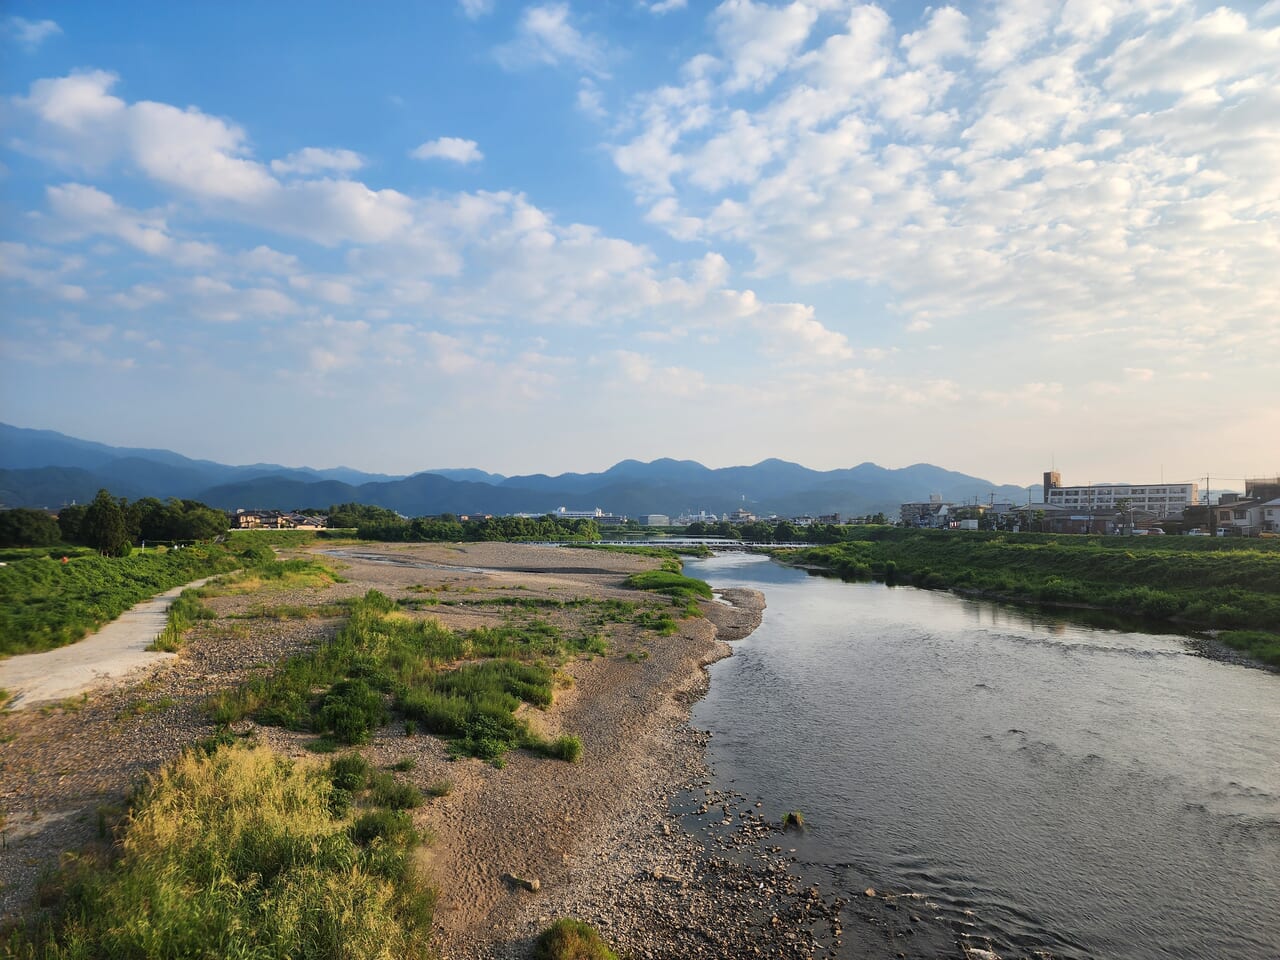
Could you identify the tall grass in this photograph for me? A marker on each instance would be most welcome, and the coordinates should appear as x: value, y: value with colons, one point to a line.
x: 240, y: 854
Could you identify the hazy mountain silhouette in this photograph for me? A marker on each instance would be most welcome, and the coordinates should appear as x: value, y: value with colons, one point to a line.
x: 41, y: 468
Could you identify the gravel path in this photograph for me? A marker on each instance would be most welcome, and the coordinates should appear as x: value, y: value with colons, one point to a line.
x: 106, y: 657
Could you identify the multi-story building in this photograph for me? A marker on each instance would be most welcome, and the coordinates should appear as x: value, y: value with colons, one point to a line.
x: 1159, y: 499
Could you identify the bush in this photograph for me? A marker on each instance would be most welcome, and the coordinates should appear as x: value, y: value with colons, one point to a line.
x: 568, y: 748
x: 570, y: 939
x: 386, y: 791
x: 351, y: 710
x: 350, y: 772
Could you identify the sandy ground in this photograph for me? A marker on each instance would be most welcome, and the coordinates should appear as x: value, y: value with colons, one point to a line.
x: 631, y: 839
x: 107, y: 657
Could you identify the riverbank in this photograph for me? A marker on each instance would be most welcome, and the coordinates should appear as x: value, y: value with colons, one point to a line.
x: 604, y: 838
x: 1231, y: 594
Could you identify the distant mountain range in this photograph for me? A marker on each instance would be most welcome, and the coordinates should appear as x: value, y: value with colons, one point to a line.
x: 41, y: 468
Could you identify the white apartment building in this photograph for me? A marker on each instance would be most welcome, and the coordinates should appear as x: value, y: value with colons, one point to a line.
x: 1159, y: 499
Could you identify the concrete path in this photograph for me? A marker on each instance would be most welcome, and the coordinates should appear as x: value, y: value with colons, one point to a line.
x: 105, y: 657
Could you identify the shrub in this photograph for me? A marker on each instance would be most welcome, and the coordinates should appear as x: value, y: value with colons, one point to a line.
x: 390, y: 826
x: 350, y: 772
x: 568, y: 748
x: 570, y: 939
x: 351, y: 710
x: 386, y: 791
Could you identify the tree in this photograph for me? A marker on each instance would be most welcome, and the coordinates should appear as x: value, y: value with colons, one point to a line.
x: 104, y: 527
x: 71, y: 521
x: 28, y: 528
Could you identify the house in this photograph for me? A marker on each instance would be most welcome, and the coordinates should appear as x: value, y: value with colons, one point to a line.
x: 654, y: 520
x: 275, y: 520
x: 1271, y: 516
x: 1239, y: 515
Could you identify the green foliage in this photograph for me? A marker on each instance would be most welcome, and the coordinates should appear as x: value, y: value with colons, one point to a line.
x: 350, y: 772
x: 359, y: 514
x: 567, y: 748
x: 28, y: 528
x: 383, y: 662
x: 386, y: 791
x: 570, y: 939
x: 238, y: 854
x: 506, y: 529
x: 1188, y: 579
x: 1258, y: 644
x: 681, y: 589
x: 793, y: 820
x: 154, y: 521
x: 104, y: 527
x: 351, y: 711
x: 45, y: 603
x: 184, y: 613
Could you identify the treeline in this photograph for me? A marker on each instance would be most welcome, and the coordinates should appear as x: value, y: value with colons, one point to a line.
x: 449, y: 529
x: 113, y: 525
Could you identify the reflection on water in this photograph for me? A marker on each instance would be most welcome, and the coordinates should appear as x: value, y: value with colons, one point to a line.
x: 1082, y: 791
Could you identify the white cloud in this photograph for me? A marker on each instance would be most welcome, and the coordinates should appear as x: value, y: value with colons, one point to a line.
x: 79, y: 211
x: 946, y: 35
x: 545, y: 37
x: 30, y: 34
x: 449, y: 148
x: 665, y: 6
x: 311, y: 160
x: 760, y: 40
x: 475, y: 9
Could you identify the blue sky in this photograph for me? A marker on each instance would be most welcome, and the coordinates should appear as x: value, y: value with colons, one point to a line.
x: 545, y: 236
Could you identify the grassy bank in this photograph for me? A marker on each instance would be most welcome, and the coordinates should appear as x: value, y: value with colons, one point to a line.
x: 671, y: 582
x: 1234, y: 587
x: 243, y: 853
x: 45, y: 603
x: 385, y: 664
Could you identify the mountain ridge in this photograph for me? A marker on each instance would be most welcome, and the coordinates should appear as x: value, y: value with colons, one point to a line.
x: 43, y: 468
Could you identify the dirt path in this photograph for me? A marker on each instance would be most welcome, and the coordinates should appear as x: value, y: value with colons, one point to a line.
x: 104, y: 658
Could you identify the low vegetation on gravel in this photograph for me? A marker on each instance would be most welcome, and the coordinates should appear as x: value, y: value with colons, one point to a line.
x: 243, y: 853
x: 384, y: 664
x: 1235, y: 588
x: 671, y: 582
x: 570, y: 939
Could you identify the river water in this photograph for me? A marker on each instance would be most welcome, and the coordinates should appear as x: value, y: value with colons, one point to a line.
x: 1069, y: 791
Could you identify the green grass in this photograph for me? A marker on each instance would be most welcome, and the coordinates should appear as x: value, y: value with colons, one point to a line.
x: 570, y: 939
x: 385, y: 664
x: 45, y: 603
x: 184, y: 613
x: 1235, y: 588
x: 238, y: 854
x: 669, y: 581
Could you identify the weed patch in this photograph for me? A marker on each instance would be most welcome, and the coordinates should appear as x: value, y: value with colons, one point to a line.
x: 238, y: 853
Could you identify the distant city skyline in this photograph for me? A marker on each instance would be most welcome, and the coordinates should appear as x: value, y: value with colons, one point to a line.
x: 540, y: 237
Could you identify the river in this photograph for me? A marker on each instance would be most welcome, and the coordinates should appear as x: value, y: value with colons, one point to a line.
x: 1058, y: 789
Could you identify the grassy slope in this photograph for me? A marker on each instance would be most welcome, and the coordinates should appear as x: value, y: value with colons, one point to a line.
x: 45, y: 603
x: 1233, y: 585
